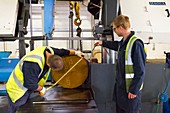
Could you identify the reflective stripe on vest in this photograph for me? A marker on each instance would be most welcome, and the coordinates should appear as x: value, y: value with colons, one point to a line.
x: 129, y: 72
x: 44, y: 79
x: 15, y: 82
x: 20, y: 67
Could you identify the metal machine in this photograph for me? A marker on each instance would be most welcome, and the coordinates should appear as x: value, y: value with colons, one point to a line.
x: 157, y: 73
x: 75, y: 97
x: 72, y: 94
x: 94, y: 93
x: 13, y: 28
x: 6, y: 67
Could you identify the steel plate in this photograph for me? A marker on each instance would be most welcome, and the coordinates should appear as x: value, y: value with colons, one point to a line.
x: 56, y: 100
x: 76, y: 76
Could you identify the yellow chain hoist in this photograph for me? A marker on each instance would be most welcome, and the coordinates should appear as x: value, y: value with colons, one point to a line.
x: 71, y: 4
x: 77, y: 9
x: 77, y: 21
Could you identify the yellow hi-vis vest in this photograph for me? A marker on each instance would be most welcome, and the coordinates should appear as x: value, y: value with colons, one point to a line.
x: 129, y: 72
x: 14, y: 86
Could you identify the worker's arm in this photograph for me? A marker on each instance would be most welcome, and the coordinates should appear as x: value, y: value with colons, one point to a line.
x: 61, y: 52
x: 108, y: 44
x: 31, y: 71
x: 138, y: 59
x: 66, y: 52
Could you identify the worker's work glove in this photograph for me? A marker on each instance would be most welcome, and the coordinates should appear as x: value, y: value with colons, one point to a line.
x: 42, y: 92
x: 79, y: 53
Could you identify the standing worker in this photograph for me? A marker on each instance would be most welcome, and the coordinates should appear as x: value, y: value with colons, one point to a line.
x: 130, y: 66
x: 31, y: 73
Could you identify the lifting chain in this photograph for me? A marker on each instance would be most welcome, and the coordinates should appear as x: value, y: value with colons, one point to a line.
x: 71, y: 6
x: 79, y: 30
x: 77, y: 20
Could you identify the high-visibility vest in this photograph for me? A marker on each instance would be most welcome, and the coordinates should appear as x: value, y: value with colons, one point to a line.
x: 14, y: 86
x: 129, y: 72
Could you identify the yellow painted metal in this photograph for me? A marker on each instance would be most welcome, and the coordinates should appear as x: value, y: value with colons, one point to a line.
x: 76, y: 76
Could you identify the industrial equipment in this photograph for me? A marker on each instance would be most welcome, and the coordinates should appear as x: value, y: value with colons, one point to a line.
x: 74, y: 73
x: 15, y: 27
x: 71, y: 93
x: 146, y: 23
x: 6, y: 67
x: 89, y: 87
x: 49, y: 18
x: 57, y: 99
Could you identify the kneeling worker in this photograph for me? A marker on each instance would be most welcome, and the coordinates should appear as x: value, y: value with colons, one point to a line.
x: 31, y: 73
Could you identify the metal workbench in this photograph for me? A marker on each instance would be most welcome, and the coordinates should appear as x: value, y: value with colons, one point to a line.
x: 58, y: 100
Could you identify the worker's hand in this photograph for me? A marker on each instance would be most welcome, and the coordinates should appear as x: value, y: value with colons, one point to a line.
x: 42, y: 92
x: 79, y: 53
x: 99, y: 43
x: 131, y: 96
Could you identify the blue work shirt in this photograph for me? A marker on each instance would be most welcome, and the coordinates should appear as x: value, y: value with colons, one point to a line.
x: 138, y: 56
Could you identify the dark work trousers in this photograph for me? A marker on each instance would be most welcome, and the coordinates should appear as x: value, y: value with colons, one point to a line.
x: 119, y: 110
x: 13, y: 107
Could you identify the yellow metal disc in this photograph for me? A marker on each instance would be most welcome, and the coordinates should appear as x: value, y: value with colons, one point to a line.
x: 76, y: 76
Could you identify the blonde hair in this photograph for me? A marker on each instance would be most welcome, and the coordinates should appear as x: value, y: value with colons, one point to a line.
x: 121, y: 20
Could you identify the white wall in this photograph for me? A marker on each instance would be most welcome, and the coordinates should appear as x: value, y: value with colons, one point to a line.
x: 157, y: 46
x: 150, y: 21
